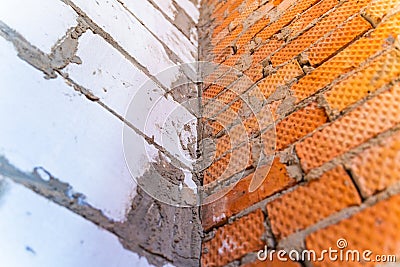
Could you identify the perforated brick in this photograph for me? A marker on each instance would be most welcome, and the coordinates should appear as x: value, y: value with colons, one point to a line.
x: 223, y: 144
x: 252, y: 31
x: 326, y: 47
x: 227, y: 96
x: 232, y: 60
x: 234, y: 240
x: 255, y: 72
x: 226, y: 22
x: 216, y: 169
x: 380, y: 8
x: 308, y: 204
x: 273, y: 107
x: 265, y: 50
x: 378, y: 73
x: 299, y: 124
x: 371, y: 118
x: 324, y: 26
x: 215, y: 127
x: 377, y: 168
x: 223, y: 55
x: 241, y: 85
x: 375, y: 229
x: 283, y: 75
x: 239, y: 198
x: 311, y: 14
x: 212, y: 91
x: 232, y: 163
x: 347, y: 59
x: 228, y: 40
x: 285, y: 19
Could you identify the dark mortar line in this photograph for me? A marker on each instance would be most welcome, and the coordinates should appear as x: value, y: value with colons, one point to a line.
x: 177, y: 6
x: 57, y: 191
x: 149, y: 140
x: 16, y: 39
x: 171, y: 21
x: 354, y: 181
x: 109, y: 39
x: 175, y: 58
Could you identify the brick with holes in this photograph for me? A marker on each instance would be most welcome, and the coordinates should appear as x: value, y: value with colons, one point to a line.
x: 377, y: 168
x: 348, y: 59
x: 299, y: 124
x: 311, y: 203
x: 374, y: 229
x: 375, y: 116
x: 376, y: 74
x: 234, y: 240
x: 324, y: 26
x: 238, y: 198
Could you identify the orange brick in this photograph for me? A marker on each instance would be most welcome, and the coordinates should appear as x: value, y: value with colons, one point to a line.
x: 373, y: 117
x: 232, y: 163
x: 241, y: 85
x: 251, y: 32
x: 380, y: 8
x: 238, y: 198
x: 311, y: 14
x: 232, y: 60
x: 228, y: 40
x: 265, y: 50
x: 214, y: 126
x: 255, y: 72
x: 286, y: 73
x: 216, y: 169
x: 299, y: 124
x: 308, y: 204
x: 274, y: 263
x: 325, y: 25
x: 223, y: 144
x: 347, y: 59
x: 379, y: 72
x: 212, y: 91
x: 227, y: 96
x: 233, y: 241
x: 377, y: 168
x: 223, y: 55
x: 285, y: 19
x: 226, y: 22
x: 339, y: 38
x: 375, y: 229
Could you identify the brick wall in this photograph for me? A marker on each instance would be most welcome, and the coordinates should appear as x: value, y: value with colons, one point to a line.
x: 316, y: 92
x: 69, y: 70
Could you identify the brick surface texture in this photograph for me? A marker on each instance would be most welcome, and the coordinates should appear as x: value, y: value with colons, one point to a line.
x: 315, y: 90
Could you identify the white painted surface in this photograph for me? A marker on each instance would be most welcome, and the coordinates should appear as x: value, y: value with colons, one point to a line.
x: 46, y: 123
x: 38, y: 233
x: 42, y: 24
x: 190, y: 9
x: 167, y: 7
x: 121, y: 84
x: 128, y: 32
x: 168, y: 33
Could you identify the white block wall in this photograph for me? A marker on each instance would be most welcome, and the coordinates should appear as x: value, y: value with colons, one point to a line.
x: 47, y: 123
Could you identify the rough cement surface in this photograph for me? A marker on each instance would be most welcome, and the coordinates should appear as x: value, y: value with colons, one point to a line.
x: 172, y: 232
